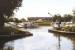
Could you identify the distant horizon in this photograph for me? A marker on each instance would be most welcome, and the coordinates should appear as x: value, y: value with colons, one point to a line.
x: 40, y: 8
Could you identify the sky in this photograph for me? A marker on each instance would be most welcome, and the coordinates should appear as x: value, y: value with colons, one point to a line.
x: 40, y: 8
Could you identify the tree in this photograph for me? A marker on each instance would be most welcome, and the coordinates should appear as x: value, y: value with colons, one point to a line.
x: 54, y: 18
x: 57, y: 19
x: 6, y: 9
x: 23, y: 20
x: 73, y: 16
x: 67, y: 17
x: 16, y: 20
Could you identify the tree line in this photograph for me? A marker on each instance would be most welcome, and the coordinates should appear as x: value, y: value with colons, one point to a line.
x: 65, y: 18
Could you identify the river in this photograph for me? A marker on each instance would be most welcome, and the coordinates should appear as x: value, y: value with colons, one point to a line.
x: 42, y: 40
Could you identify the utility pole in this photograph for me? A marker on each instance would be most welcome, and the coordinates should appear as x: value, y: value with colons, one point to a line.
x: 52, y: 17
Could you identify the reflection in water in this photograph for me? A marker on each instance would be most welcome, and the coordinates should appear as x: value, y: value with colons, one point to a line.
x: 9, y: 46
x: 59, y: 45
x: 6, y: 43
x: 43, y: 40
x: 2, y: 41
x: 70, y: 38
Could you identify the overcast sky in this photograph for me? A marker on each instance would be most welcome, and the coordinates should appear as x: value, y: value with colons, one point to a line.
x: 40, y: 8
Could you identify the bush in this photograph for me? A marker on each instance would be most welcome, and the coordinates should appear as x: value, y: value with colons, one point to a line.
x: 8, y: 30
x: 69, y: 28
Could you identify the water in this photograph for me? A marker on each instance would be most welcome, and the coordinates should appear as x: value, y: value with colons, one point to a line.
x: 42, y: 40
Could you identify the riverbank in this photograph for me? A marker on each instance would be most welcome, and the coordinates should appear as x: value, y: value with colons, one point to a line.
x: 64, y: 30
x: 4, y: 39
x: 59, y: 31
x: 10, y: 32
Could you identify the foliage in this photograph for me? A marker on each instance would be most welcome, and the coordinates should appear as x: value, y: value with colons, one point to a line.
x: 6, y: 9
x: 7, y: 6
x: 73, y: 19
x: 57, y: 17
x: 16, y: 20
x: 8, y: 30
x: 23, y: 20
x: 69, y: 28
x: 67, y: 17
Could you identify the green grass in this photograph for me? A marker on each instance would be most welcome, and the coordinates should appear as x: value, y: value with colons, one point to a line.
x: 43, y: 23
x: 8, y: 30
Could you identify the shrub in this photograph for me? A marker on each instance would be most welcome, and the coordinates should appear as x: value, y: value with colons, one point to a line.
x: 69, y: 28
